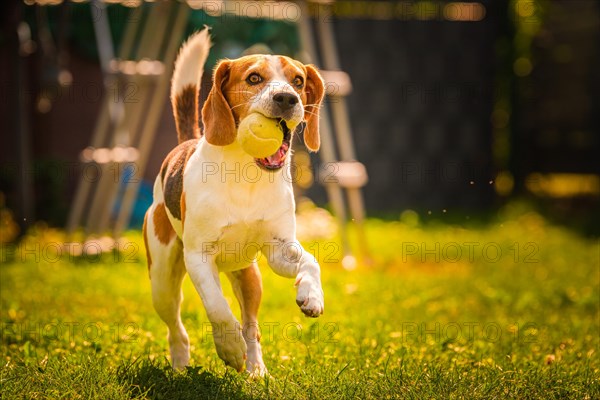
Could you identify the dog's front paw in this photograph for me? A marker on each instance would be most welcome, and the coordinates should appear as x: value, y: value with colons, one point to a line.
x: 179, y: 345
x: 255, y: 365
x: 310, y: 296
x: 231, y: 346
x: 256, y: 370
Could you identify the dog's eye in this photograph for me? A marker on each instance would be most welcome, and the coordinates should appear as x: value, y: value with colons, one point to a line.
x: 298, y: 82
x: 254, y: 79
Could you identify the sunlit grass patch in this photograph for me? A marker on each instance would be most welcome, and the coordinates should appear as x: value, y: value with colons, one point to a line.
x: 434, y: 316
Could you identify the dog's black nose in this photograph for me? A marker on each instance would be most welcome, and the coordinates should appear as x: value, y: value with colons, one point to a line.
x: 285, y: 101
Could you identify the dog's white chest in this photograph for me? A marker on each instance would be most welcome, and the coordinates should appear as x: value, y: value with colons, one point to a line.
x: 238, y: 245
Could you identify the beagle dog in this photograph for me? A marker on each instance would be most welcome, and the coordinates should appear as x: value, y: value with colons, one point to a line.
x: 217, y: 209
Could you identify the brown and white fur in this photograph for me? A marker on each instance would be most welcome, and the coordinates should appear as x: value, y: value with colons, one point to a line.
x: 216, y: 209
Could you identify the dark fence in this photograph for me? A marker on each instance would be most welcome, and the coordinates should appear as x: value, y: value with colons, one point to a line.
x: 420, y: 110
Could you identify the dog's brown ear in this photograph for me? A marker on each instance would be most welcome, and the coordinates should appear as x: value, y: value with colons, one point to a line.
x: 314, y: 95
x: 219, y: 124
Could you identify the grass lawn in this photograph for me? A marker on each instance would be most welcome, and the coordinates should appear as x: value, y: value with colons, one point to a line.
x: 509, y: 309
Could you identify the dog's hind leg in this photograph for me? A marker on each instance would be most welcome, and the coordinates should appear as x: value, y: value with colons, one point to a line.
x: 167, y: 271
x: 247, y: 286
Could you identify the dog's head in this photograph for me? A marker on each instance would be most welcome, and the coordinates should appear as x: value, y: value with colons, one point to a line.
x: 277, y: 87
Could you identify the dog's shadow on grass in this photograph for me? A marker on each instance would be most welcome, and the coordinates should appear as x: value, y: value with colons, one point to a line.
x: 153, y: 380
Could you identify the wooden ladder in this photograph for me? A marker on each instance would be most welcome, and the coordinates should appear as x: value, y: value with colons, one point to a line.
x: 345, y: 172
x: 126, y: 127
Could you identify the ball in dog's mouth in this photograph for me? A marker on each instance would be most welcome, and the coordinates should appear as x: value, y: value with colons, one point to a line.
x: 277, y: 159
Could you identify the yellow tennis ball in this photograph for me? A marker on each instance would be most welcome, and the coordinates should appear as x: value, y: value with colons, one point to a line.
x: 259, y: 136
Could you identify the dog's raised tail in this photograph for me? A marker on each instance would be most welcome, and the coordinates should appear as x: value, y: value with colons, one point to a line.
x: 185, y: 86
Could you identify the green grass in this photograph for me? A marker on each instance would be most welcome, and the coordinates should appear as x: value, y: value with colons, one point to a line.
x: 524, y: 325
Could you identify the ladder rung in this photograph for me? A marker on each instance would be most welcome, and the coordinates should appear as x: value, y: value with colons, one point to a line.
x: 347, y: 174
x: 144, y: 66
x: 337, y: 83
x: 104, y: 155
